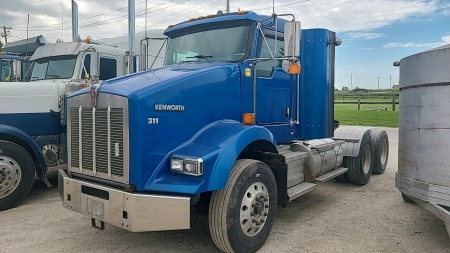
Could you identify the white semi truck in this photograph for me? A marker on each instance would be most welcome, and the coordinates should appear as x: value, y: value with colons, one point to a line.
x: 33, y: 114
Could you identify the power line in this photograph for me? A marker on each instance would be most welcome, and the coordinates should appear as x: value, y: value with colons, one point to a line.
x: 182, y: 14
x: 126, y: 16
x: 265, y: 8
x: 58, y: 24
x: 120, y: 18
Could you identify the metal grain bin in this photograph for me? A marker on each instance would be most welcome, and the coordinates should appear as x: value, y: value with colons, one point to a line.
x: 424, y: 131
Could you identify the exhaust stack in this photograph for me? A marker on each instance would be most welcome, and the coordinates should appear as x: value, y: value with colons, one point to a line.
x: 131, y: 32
x: 74, y: 21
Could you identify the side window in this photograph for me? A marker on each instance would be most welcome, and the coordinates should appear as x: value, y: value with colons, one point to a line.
x: 87, y: 65
x: 108, y: 68
x: 265, y: 69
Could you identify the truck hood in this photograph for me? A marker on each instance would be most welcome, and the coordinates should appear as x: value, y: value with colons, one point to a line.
x: 140, y: 84
x: 29, y: 97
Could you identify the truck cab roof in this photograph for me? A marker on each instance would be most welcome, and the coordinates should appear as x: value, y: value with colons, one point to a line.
x: 73, y: 48
x: 233, y: 16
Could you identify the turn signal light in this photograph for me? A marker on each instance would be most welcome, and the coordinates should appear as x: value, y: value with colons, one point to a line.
x: 294, y: 69
x: 201, y: 17
x: 191, y: 19
x: 249, y: 118
x: 210, y: 16
x: 242, y: 12
x: 170, y: 26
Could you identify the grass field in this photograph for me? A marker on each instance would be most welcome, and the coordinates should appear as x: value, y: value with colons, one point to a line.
x: 349, y: 115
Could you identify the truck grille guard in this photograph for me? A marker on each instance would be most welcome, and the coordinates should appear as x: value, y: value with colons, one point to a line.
x: 98, y: 137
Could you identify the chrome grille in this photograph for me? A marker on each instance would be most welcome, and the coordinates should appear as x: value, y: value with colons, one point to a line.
x: 102, y: 139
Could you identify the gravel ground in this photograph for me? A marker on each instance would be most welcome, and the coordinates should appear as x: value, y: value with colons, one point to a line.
x: 336, y: 217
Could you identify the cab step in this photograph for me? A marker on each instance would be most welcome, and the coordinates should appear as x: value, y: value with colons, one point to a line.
x: 330, y: 175
x: 299, y: 190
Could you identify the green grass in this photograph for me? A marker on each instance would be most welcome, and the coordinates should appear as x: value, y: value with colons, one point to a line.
x: 349, y: 115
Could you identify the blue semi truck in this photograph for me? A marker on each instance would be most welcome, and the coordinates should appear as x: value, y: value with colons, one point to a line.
x: 238, y: 122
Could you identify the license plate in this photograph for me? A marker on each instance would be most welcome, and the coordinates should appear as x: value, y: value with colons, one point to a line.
x: 95, y: 207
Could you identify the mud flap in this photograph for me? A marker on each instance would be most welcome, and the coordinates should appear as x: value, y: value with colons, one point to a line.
x: 42, y: 174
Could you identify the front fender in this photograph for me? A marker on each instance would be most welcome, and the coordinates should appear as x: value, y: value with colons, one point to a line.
x: 219, y: 145
x: 21, y: 138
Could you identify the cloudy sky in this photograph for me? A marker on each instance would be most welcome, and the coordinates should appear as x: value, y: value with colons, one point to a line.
x: 375, y: 33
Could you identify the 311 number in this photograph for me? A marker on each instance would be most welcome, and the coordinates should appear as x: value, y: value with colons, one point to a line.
x: 152, y: 121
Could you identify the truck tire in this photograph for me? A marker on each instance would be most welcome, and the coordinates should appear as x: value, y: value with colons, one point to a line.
x: 17, y: 173
x: 241, y: 215
x: 407, y: 199
x: 381, y: 150
x: 360, y: 167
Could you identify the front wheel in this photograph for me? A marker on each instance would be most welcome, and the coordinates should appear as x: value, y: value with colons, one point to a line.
x: 17, y: 173
x: 241, y: 215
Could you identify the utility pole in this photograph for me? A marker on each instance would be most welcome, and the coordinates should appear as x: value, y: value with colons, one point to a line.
x: 62, y: 22
x: 378, y: 84
x: 390, y: 83
x: 228, y: 7
x: 5, y: 34
x: 351, y: 81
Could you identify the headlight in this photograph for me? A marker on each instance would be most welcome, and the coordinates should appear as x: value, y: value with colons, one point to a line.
x: 187, y: 165
x: 176, y: 164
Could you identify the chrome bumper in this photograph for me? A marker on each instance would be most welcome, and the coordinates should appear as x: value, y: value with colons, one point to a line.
x: 130, y: 211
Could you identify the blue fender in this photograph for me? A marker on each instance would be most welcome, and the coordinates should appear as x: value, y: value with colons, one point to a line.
x: 219, y: 145
x: 23, y: 137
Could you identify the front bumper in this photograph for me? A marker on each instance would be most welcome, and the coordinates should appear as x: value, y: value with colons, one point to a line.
x: 131, y: 211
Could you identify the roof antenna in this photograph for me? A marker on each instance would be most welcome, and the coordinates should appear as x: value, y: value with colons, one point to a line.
x: 273, y: 7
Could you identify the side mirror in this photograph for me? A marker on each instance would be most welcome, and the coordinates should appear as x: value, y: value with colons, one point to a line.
x: 292, y: 37
x: 95, y: 64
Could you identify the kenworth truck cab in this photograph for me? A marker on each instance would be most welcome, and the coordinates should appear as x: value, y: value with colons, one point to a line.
x: 13, y: 68
x: 236, y: 123
x: 32, y: 114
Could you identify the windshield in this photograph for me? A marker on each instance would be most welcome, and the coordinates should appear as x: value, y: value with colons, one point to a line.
x: 55, y: 67
x: 6, y: 71
x: 224, y: 42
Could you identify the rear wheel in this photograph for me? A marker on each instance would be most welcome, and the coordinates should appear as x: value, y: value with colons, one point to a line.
x: 241, y: 215
x: 17, y: 173
x: 407, y: 199
x: 381, y: 150
x: 360, y: 167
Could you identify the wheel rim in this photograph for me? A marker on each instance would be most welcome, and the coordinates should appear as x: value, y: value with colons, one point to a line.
x: 366, y: 159
x: 383, y: 151
x: 10, y: 175
x: 254, y: 209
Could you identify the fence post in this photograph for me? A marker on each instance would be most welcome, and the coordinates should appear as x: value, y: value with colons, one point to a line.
x: 359, y: 103
x: 393, y: 102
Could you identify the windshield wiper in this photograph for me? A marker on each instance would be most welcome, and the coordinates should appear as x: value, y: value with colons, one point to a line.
x: 54, y: 76
x: 200, y: 57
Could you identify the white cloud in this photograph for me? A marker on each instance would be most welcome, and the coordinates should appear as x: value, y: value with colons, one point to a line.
x: 444, y: 40
x: 411, y: 44
x: 365, y: 48
x: 364, y: 35
x: 337, y: 15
